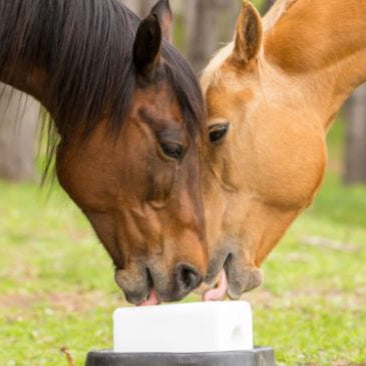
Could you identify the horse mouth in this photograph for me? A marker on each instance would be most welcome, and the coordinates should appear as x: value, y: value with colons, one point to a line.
x: 232, y: 281
x: 219, y: 292
x: 226, y: 278
x: 216, y: 284
x: 152, y: 297
x: 155, y: 294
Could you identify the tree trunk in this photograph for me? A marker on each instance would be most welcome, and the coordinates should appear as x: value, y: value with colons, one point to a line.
x: 134, y: 5
x: 267, y: 5
x: 208, y: 22
x: 140, y: 7
x: 355, y: 164
x: 18, y: 129
x: 145, y: 7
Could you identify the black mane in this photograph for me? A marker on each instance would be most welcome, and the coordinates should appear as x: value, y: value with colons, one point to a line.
x: 85, y: 46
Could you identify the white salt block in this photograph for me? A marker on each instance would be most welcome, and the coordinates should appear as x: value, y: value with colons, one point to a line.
x: 184, y: 328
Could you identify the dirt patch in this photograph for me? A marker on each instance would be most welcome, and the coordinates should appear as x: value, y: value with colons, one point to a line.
x: 64, y: 301
x: 338, y: 363
x: 17, y: 301
x: 266, y: 299
x: 344, y: 363
x: 20, y: 271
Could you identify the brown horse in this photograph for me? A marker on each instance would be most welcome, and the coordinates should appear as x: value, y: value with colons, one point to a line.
x: 272, y: 95
x: 129, y: 113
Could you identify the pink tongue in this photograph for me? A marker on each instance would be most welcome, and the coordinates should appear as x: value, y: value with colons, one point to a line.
x: 151, y: 300
x: 218, y: 293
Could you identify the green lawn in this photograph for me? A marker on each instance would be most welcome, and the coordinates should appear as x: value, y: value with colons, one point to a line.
x: 57, y: 287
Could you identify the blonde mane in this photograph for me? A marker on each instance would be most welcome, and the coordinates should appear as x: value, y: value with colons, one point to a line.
x: 277, y: 11
x: 211, y: 74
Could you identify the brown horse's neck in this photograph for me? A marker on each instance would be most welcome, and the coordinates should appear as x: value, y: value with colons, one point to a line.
x: 28, y: 79
x: 323, y: 42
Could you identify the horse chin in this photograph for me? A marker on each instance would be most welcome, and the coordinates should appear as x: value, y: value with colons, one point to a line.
x: 154, y: 298
x: 241, y: 281
x: 135, y: 286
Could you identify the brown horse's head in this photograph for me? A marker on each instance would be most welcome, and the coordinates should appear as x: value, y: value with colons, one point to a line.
x: 266, y: 154
x: 138, y: 184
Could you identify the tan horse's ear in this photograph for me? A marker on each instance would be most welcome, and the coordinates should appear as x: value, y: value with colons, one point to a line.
x: 248, y: 35
x: 163, y: 10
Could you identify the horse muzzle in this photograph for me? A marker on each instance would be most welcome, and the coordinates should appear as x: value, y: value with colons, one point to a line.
x: 151, y: 285
x: 227, y: 276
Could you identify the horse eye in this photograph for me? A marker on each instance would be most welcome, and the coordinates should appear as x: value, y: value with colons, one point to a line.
x: 173, y: 151
x: 218, y: 131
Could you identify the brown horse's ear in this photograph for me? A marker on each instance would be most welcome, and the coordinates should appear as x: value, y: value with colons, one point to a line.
x: 248, y: 35
x: 164, y: 12
x: 147, y: 46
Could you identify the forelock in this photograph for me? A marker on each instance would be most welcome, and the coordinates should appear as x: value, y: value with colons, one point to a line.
x: 212, y: 73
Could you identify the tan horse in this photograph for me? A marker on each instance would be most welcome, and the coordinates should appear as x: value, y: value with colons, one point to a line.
x: 272, y: 95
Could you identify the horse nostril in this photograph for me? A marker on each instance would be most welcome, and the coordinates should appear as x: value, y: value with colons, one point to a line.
x: 188, y: 278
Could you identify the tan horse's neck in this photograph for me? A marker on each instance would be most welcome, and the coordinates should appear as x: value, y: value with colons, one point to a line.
x: 322, y: 42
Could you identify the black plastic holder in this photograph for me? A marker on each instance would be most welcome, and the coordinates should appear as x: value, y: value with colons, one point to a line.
x: 260, y: 356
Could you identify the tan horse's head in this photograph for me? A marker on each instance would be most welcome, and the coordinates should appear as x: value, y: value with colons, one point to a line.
x: 265, y: 157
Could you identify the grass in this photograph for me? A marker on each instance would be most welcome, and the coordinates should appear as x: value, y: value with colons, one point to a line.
x: 311, y: 307
x: 57, y: 287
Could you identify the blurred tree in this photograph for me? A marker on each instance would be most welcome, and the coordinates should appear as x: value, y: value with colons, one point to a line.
x: 355, y: 163
x: 18, y: 130
x: 267, y: 5
x: 140, y: 7
x: 208, y: 22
